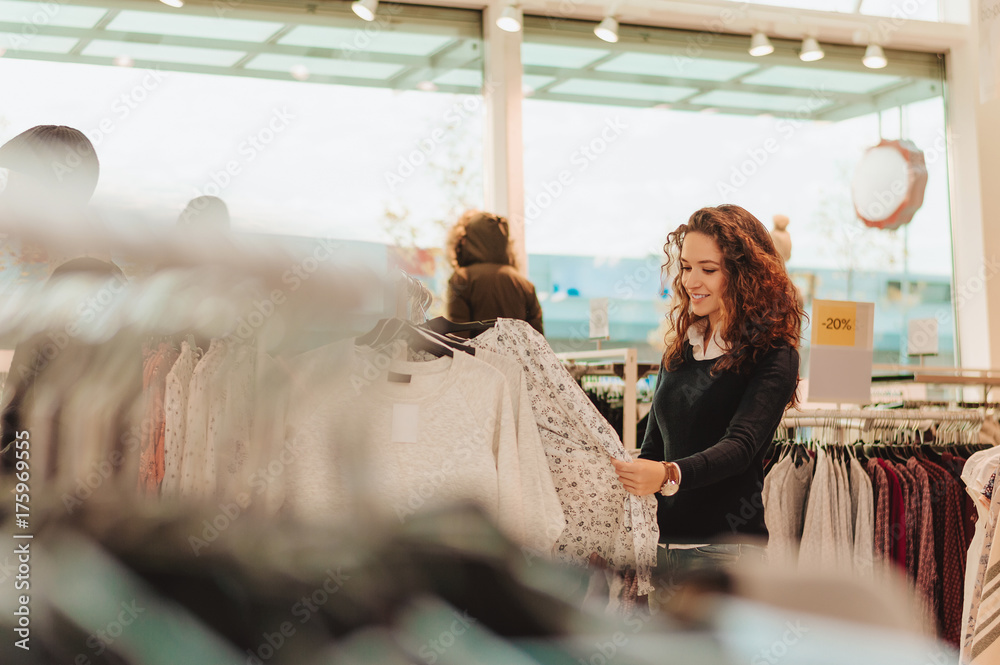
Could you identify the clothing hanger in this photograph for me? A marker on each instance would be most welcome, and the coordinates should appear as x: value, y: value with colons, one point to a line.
x: 418, y: 341
x: 442, y: 325
x: 377, y: 336
x: 895, y: 445
x: 388, y: 330
x: 446, y: 340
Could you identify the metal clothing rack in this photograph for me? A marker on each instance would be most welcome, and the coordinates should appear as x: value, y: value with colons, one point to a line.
x: 865, y: 420
x: 872, y: 415
x: 630, y: 357
x: 958, y: 376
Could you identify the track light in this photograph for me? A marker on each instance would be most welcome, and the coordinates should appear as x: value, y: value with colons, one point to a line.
x: 760, y: 45
x: 173, y: 3
x: 607, y: 29
x: 365, y: 8
x: 874, y: 57
x: 810, y: 50
x: 510, y: 18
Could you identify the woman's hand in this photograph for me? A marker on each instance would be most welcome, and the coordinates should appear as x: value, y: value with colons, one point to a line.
x: 642, y: 476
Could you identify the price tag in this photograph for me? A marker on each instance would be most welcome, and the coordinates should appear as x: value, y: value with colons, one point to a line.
x: 836, y: 322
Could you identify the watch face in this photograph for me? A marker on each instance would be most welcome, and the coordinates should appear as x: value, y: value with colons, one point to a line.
x: 669, y: 488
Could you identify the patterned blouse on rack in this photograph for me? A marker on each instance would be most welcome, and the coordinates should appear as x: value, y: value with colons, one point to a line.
x: 601, y: 517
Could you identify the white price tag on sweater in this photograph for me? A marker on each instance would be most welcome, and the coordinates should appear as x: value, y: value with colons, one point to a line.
x: 405, y: 423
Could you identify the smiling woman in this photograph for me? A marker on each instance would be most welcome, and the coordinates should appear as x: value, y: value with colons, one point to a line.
x: 702, y: 278
x: 725, y: 381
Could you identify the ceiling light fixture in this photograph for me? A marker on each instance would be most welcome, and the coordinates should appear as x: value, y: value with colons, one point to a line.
x: 299, y: 72
x: 607, y: 29
x: 173, y: 3
x: 874, y: 57
x: 365, y: 8
x: 810, y: 50
x: 760, y: 45
x: 510, y: 18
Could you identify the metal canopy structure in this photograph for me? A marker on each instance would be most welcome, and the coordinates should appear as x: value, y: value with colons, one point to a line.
x: 440, y: 49
x: 407, y: 46
x: 704, y: 71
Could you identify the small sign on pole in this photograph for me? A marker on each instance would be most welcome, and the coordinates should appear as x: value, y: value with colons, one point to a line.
x: 600, y: 327
x: 922, y: 337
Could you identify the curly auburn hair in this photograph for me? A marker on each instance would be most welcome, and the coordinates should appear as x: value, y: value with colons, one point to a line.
x: 759, y: 307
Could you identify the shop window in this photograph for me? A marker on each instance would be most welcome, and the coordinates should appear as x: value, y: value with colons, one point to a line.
x: 321, y: 127
x: 623, y: 142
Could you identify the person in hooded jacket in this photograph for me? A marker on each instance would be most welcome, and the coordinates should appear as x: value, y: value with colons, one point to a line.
x: 486, y: 283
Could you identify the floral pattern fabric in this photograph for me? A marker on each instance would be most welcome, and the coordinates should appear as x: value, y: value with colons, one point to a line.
x: 156, y: 366
x: 601, y: 516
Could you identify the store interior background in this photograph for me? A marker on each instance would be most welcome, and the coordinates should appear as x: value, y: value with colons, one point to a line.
x: 311, y: 123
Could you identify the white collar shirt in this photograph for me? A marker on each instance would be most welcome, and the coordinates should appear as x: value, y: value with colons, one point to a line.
x: 703, y: 350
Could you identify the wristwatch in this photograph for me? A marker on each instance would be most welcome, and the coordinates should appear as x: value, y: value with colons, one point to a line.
x: 670, y: 486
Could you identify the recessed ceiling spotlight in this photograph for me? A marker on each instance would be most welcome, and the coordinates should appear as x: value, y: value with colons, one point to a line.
x: 607, y: 29
x: 365, y: 8
x: 510, y: 18
x: 811, y: 50
x: 760, y: 45
x: 874, y: 57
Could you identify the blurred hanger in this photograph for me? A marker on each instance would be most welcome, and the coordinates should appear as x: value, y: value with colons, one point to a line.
x: 444, y: 339
x: 444, y: 326
x: 383, y: 333
x: 387, y: 331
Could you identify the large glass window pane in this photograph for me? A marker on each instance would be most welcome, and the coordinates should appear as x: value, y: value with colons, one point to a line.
x: 609, y: 173
x: 306, y: 122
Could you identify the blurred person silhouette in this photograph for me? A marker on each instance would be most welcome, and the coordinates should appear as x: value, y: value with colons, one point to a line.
x: 52, y: 173
x: 205, y: 212
x: 486, y: 283
x: 46, y: 160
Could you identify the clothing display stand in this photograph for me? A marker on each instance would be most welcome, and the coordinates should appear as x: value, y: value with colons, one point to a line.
x: 631, y: 361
